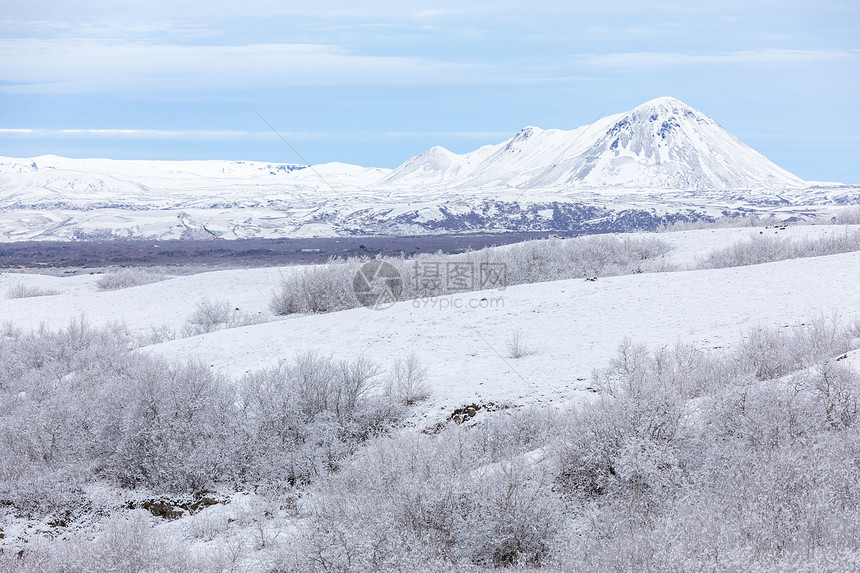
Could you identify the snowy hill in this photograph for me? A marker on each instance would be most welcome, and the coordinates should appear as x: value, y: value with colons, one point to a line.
x: 695, y: 325
x: 701, y: 307
x: 51, y: 182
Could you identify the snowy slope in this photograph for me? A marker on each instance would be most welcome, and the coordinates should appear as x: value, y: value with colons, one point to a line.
x: 250, y: 289
x: 51, y: 182
x: 573, y: 326
x: 141, y: 308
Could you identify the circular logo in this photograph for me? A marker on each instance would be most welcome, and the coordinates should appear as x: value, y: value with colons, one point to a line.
x: 377, y: 285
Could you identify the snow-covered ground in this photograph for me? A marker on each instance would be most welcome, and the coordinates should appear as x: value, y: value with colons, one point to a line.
x: 169, y: 302
x: 571, y: 327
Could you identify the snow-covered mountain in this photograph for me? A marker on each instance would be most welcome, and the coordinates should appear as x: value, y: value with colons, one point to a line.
x: 51, y: 182
x: 662, y: 144
x: 658, y: 163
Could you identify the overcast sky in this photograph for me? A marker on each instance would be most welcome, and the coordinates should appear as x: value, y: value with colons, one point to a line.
x: 379, y: 83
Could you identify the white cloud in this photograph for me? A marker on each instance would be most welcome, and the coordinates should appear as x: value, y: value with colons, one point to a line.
x: 186, y: 134
x: 104, y: 28
x: 666, y: 59
x: 93, y: 66
x: 134, y: 133
x: 454, y: 134
x: 433, y: 13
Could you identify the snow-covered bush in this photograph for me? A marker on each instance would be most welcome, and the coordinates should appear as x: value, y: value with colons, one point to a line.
x: 628, y: 445
x: 21, y: 290
x: 740, y: 220
x: 209, y: 316
x: 407, y: 382
x: 747, y: 472
x: 768, y: 248
x: 303, y: 417
x: 515, y: 345
x: 320, y: 288
x: 328, y: 288
x: 684, y: 459
x: 431, y: 502
x: 126, y: 543
x: 126, y: 278
x: 847, y: 216
x: 768, y: 353
x: 78, y: 406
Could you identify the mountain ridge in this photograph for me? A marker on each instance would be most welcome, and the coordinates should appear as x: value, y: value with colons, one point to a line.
x: 656, y: 164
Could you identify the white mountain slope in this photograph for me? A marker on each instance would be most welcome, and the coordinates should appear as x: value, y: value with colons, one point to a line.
x: 59, y: 182
x: 662, y: 144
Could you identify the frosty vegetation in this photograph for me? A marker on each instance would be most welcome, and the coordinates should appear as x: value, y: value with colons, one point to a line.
x: 681, y: 460
x: 328, y: 288
x: 769, y: 248
x: 126, y: 278
x: 208, y: 316
x: 21, y: 290
x: 515, y: 345
x: 78, y: 407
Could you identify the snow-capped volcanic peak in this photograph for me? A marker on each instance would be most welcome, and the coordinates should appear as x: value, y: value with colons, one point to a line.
x: 661, y: 144
x: 665, y: 143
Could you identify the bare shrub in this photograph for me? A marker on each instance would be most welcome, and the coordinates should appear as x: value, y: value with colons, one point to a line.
x: 21, y: 290
x: 211, y: 315
x: 126, y: 278
x: 9, y: 330
x: 767, y: 248
x: 163, y: 333
x: 641, y: 463
x: 847, y: 216
x: 353, y: 381
x: 306, y: 415
x: 322, y: 288
x: 836, y: 391
x: 627, y: 370
x: 126, y: 543
x: 515, y: 346
x: 769, y: 353
x: 742, y: 220
x: 79, y: 406
x: 407, y: 381
x: 628, y: 444
x: 746, y: 457
x: 328, y: 288
x: 461, y: 499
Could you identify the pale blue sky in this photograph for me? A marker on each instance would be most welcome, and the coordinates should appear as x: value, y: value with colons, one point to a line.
x: 376, y: 84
